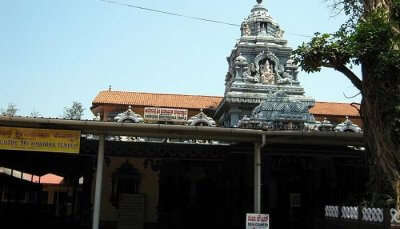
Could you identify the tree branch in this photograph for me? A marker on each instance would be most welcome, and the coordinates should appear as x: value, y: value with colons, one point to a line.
x: 350, y: 75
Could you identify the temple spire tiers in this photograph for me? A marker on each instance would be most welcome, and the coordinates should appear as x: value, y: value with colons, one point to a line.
x: 259, y: 68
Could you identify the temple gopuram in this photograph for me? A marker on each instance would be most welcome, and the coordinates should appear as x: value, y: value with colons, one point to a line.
x: 262, y: 90
x: 172, y: 161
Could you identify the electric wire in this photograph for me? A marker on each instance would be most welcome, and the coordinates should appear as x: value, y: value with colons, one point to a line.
x: 169, y: 13
x: 184, y: 16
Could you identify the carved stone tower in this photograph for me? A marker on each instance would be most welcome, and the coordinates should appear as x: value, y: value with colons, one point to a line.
x: 259, y: 67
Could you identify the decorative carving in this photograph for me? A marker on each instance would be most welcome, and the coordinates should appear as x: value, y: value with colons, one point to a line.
x: 264, y: 69
x: 279, y: 112
x: 129, y: 116
x: 325, y: 125
x: 228, y: 77
x: 350, y: 213
x: 279, y: 33
x: 240, y: 60
x: 201, y: 119
x: 287, y: 78
x: 332, y: 211
x: 395, y: 216
x: 348, y: 126
x: 247, y: 76
x: 268, y: 66
x: 245, y: 29
x: 374, y: 215
x: 267, y: 73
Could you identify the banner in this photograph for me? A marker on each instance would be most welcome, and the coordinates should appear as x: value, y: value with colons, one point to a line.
x: 257, y: 221
x: 45, y: 140
x: 165, y: 114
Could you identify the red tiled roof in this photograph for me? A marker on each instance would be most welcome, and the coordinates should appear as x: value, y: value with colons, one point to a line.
x: 198, y: 101
x: 156, y: 100
x: 335, y: 109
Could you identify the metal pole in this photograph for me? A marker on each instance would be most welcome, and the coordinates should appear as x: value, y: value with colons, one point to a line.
x: 257, y: 178
x: 99, y: 179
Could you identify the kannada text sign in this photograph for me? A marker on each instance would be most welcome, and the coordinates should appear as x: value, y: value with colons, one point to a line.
x: 165, y: 114
x: 45, y: 140
x: 257, y: 221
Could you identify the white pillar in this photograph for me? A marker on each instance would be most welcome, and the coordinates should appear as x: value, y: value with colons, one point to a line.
x: 257, y: 178
x: 99, y: 179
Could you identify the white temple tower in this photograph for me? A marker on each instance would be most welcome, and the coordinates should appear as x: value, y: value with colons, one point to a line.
x: 259, y: 67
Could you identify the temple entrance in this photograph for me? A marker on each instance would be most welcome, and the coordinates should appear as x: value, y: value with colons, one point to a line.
x: 190, y: 194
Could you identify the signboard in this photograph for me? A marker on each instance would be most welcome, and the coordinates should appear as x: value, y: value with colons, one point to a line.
x: 28, y: 139
x: 257, y: 221
x: 165, y: 114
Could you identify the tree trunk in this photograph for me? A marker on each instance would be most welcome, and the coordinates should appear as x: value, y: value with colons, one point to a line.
x: 398, y: 195
x: 371, y: 5
x: 381, y: 96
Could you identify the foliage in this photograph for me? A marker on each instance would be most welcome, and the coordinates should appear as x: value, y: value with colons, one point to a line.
x: 10, y: 111
x: 74, y: 112
x: 377, y: 200
x: 35, y: 114
x: 371, y: 39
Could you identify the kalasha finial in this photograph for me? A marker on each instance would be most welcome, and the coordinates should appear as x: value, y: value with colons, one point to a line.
x: 259, y: 1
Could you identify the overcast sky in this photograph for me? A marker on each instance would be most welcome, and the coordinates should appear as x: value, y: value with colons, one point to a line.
x: 54, y: 52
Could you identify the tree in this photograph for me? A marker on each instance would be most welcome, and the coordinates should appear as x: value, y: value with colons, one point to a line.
x: 10, y: 111
x: 370, y: 38
x: 74, y: 112
x: 34, y: 114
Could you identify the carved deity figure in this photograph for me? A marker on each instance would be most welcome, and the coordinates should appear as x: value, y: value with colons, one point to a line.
x: 245, y: 29
x: 251, y: 74
x: 267, y: 73
x: 249, y: 78
x: 287, y: 78
x: 279, y: 33
x: 252, y: 69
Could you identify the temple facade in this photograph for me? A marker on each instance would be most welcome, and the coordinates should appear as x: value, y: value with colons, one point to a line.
x: 163, y: 161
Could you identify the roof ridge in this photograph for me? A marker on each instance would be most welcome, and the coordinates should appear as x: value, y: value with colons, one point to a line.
x: 333, y: 102
x: 149, y: 93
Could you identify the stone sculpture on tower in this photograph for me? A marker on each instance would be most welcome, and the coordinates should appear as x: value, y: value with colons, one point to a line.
x: 260, y: 70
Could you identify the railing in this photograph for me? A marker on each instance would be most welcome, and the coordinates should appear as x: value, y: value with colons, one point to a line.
x: 350, y: 217
x: 395, y: 214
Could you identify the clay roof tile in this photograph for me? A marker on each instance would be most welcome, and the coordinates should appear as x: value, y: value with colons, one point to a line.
x: 156, y: 100
x: 199, y: 101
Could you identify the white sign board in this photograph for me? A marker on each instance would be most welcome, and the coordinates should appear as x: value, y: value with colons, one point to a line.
x: 165, y: 114
x: 257, y: 221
